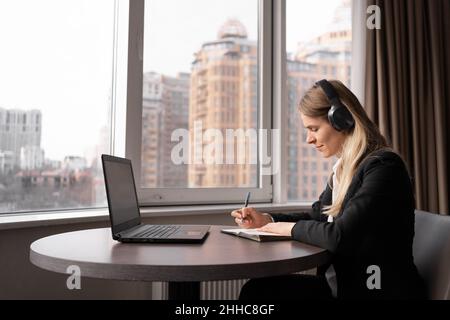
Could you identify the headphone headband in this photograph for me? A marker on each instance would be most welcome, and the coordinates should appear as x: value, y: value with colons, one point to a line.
x: 329, y: 90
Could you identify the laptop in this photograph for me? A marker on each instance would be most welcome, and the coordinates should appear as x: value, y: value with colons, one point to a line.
x: 126, y: 225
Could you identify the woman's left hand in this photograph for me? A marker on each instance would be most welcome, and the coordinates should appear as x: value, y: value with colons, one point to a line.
x: 283, y: 228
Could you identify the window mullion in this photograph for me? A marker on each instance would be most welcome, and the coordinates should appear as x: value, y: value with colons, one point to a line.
x: 279, y: 105
x: 134, y: 87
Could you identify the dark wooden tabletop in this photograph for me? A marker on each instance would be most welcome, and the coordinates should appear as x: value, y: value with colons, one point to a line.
x: 220, y: 257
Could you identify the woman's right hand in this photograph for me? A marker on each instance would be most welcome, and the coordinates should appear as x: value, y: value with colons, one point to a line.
x: 250, y: 218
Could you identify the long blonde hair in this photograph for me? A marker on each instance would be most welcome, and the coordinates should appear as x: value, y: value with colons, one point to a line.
x: 360, y: 141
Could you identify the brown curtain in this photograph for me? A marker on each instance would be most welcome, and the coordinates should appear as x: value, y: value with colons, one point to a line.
x: 407, y: 91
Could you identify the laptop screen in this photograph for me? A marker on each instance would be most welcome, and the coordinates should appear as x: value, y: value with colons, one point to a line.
x: 122, y: 201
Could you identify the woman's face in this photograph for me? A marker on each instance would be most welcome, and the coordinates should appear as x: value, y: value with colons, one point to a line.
x: 323, y: 136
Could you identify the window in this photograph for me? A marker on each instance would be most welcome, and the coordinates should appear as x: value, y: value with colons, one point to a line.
x: 305, y: 166
x: 55, y: 85
x: 209, y: 126
x: 304, y: 151
x: 318, y: 43
x: 189, y: 79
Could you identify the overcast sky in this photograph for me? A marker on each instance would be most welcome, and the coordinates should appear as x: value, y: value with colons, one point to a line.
x: 185, y: 30
x: 56, y: 54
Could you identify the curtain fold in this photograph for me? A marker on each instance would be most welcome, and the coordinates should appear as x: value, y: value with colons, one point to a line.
x: 407, y: 91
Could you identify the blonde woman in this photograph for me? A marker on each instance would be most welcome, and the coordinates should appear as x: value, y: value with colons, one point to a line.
x: 365, y: 216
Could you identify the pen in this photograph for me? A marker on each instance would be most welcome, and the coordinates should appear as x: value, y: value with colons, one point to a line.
x: 246, y: 200
x: 246, y: 204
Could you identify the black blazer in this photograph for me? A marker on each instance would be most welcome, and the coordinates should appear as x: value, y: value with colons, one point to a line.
x: 374, y: 227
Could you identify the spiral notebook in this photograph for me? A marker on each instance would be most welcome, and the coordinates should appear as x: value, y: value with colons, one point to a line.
x: 255, y: 235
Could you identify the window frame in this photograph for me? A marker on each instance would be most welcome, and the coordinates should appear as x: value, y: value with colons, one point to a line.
x: 133, y: 139
x: 273, y: 105
x: 118, y: 66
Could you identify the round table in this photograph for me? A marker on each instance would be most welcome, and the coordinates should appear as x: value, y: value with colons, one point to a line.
x: 220, y: 257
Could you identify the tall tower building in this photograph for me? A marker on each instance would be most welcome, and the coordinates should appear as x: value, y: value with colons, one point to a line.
x: 165, y: 109
x: 326, y: 56
x: 223, y: 95
x: 31, y: 158
x: 19, y: 129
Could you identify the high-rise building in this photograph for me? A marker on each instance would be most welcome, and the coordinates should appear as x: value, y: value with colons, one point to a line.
x: 6, y: 162
x: 326, y: 56
x: 74, y: 163
x: 165, y: 109
x: 19, y: 129
x: 223, y: 95
x: 31, y: 158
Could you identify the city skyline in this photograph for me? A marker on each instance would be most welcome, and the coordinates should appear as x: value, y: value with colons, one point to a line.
x: 218, y: 99
x: 38, y: 66
x: 64, y: 72
x: 219, y: 89
x: 299, y: 16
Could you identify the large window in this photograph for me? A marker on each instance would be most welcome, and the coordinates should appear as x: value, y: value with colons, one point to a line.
x: 201, y: 103
x: 318, y: 43
x: 193, y: 106
x: 55, y: 95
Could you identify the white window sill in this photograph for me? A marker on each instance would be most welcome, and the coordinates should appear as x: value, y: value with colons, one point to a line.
x: 30, y: 220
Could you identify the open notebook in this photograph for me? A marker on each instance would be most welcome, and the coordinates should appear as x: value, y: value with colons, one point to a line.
x: 255, y: 235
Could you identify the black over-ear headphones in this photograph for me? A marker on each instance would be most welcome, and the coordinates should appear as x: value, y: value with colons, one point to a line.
x: 338, y: 115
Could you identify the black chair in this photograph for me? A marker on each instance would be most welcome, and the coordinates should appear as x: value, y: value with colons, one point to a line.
x: 431, y: 250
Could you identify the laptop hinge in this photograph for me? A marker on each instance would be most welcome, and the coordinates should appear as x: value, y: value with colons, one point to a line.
x: 130, y: 231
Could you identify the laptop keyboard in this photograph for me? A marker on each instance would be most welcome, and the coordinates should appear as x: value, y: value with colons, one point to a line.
x: 158, y: 232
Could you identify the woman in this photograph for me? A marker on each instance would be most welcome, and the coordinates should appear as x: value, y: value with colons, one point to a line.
x: 365, y: 216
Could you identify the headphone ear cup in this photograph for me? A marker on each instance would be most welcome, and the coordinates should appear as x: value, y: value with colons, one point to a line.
x: 340, y: 118
x: 331, y: 118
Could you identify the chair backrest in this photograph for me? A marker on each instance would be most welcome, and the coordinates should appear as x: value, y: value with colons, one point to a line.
x: 431, y: 250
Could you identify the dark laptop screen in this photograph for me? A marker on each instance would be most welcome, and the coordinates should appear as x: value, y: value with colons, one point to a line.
x: 123, y: 205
